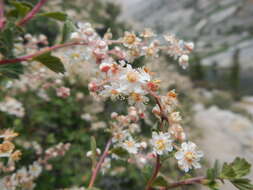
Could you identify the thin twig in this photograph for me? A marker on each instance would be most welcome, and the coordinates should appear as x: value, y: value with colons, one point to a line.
x: 32, y: 13
x: 99, y: 164
x: 191, y: 181
x: 45, y: 50
x: 155, y: 173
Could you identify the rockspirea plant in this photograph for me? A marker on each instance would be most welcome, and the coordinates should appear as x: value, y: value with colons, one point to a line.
x: 110, y: 74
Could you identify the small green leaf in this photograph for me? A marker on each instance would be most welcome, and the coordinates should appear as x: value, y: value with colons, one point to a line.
x: 119, y: 151
x: 242, y: 184
x: 21, y: 9
x: 11, y: 70
x: 212, y: 184
x: 93, y: 146
x: 55, y: 15
x: 160, y: 182
x: 52, y: 62
x: 213, y: 173
x: 68, y: 28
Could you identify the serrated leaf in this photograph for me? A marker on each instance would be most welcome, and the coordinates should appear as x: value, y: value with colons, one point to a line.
x: 55, y: 15
x: 160, y: 182
x: 68, y: 28
x: 119, y: 151
x: 52, y: 62
x: 242, y: 184
x: 241, y: 167
x: 237, y: 169
x: 227, y: 172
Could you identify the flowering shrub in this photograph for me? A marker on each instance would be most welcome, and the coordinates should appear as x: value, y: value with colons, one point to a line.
x: 105, y: 66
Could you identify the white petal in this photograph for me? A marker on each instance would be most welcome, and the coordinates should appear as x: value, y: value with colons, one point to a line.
x: 179, y: 155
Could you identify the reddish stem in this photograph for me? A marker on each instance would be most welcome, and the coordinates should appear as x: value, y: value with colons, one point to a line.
x: 99, y: 164
x: 45, y: 50
x: 2, y: 19
x: 191, y: 181
x: 32, y: 13
x: 155, y: 173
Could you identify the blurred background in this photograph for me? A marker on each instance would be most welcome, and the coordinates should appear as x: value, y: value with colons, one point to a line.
x: 216, y: 91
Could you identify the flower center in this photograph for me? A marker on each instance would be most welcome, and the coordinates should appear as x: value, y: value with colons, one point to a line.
x: 114, y: 92
x: 132, y: 77
x: 189, y: 156
x: 130, y: 38
x: 129, y: 143
x: 75, y: 55
x: 136, y: 97
x: 160, y: 144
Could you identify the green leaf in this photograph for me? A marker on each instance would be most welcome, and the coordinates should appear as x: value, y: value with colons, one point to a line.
x: 237, y: 169
x: 68, y: 28
x: 212, y: 185
x: 119, y: 151
x: 228, y: 172
x: 52, y: 62
x: 93, y: 146
x: 242, y: 184
x: 241, y: 167
x: 7, y: 37
x: 213, y: 173
x: 160, y: 182
x: 55, y: 15
x: 12, y: 70
x: 21, y: 9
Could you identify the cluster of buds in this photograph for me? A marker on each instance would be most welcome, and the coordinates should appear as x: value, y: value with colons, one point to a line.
x: 63, y: 92
x: 30, y: 43
x: 167, y: 110
x: 7, y: 149
x: 124, y: 129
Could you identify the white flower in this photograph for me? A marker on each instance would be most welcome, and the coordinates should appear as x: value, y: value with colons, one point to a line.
x: 89, y: 153
x: 130, y: 145
x: 183, y: 61
x: 175, y: 117
x: 35, y: 169
x: 12, y: 106
x: 188, y: 156
x: 130, y: 40
x: 133, y: 128
x: 119, y: 135
x: 161, y: 143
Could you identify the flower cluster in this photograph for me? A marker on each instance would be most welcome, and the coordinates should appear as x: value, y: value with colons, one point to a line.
x: 7, y: 150
x: 12, y: 107
x: 111, y: 74
x: 24, y: 177
x: 118, y: 79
